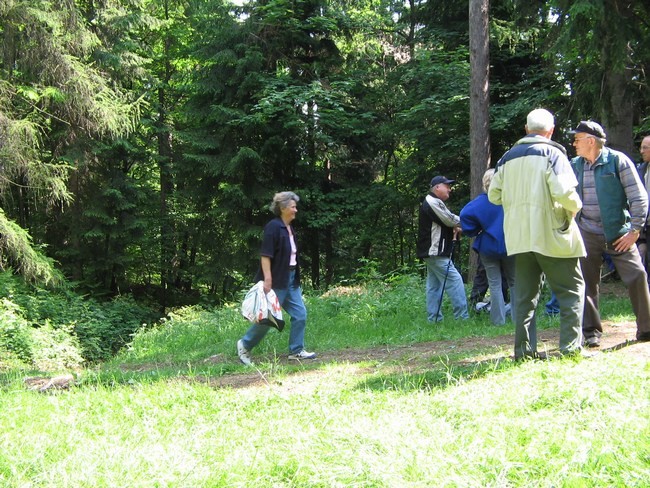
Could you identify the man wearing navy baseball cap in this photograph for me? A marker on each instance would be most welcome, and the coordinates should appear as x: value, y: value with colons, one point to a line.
x: 614, y: 210
x: 590, y: 127
x: 436, y: 180
x: 438, y: 228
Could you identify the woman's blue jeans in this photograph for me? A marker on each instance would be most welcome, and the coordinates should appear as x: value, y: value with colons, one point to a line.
x: 292, y: 303
x: 494, y: 267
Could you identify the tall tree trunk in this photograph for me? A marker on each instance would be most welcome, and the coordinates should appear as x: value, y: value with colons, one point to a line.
x: 618, y: 109
x: 167, y: 234
x: 479, y: 101
x: 167, y: 245
x: 619, y: 112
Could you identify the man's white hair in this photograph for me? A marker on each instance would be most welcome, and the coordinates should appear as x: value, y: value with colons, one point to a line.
x: 540, y: 120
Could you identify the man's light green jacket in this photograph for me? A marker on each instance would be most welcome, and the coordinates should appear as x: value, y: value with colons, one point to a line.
x: 537, y: 188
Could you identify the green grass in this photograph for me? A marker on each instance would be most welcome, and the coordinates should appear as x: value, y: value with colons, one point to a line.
x: 150, y: 417
x: 355, y: 317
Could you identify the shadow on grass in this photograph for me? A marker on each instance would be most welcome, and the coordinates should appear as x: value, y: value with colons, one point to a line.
x: 622, y: 345
x: 450, y: 373
x: 443, y: 374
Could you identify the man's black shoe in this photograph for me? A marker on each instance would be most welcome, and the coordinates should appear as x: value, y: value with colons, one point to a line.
x: 645, y: 337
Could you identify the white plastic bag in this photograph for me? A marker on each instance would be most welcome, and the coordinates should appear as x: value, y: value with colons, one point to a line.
x: 262, y: 308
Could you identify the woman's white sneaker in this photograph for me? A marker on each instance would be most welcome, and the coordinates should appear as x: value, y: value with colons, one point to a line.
x: 244, y: 354
x: 303, y: 355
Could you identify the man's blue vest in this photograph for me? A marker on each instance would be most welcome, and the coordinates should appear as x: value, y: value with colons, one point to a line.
x: 612, y: 200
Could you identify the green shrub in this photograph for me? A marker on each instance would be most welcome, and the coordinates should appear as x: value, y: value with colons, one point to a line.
x: 15, y: 337
x: 45, y: 347
x: 60, y: 328
x: 55, y: 348
x: 104, y: 328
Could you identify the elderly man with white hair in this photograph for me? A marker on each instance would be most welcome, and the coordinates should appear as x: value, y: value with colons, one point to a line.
x: 615, y: 207
x: 537, y: 188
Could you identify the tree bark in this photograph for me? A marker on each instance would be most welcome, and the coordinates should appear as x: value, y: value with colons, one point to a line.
x: 167, y: 243
x: 619, y: 112
x: 479, y: 102
x: 618, y: 109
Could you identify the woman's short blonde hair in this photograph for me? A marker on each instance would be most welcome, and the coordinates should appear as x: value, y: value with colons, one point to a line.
x: 282, y: 200
x: 487, y: 179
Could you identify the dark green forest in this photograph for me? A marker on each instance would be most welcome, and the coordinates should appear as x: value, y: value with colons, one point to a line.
x: 141, y: 141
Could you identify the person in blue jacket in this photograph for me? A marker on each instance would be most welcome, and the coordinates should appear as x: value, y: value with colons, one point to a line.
x: 483, y: 220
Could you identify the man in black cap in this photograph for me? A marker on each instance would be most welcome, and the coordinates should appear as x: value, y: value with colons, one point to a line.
x: 614, y: 210
x: 438, y: 229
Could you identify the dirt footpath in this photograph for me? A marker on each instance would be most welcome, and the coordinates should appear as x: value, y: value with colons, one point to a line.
x: 619, y: 337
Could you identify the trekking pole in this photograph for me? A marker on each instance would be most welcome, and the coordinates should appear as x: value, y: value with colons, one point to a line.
x: 444, y: 282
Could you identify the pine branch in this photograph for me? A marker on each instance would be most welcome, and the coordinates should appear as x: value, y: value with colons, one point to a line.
x: 16, y: 249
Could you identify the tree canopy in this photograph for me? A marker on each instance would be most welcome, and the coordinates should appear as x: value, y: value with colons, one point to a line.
x: 142, y: 140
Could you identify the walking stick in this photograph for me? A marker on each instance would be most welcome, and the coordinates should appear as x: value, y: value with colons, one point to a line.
x: 444, y: 282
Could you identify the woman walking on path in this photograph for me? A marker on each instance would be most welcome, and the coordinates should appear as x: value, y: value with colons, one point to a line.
x: 280, y: 271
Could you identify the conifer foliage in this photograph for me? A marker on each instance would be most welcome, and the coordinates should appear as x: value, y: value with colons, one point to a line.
x: 142, y: 140
x: 54, y: 100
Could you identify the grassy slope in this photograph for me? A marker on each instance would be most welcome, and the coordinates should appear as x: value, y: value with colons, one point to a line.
x: 151, y: 417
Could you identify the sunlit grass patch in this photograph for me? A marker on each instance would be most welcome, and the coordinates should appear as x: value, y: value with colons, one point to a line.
x: 177, y: 409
